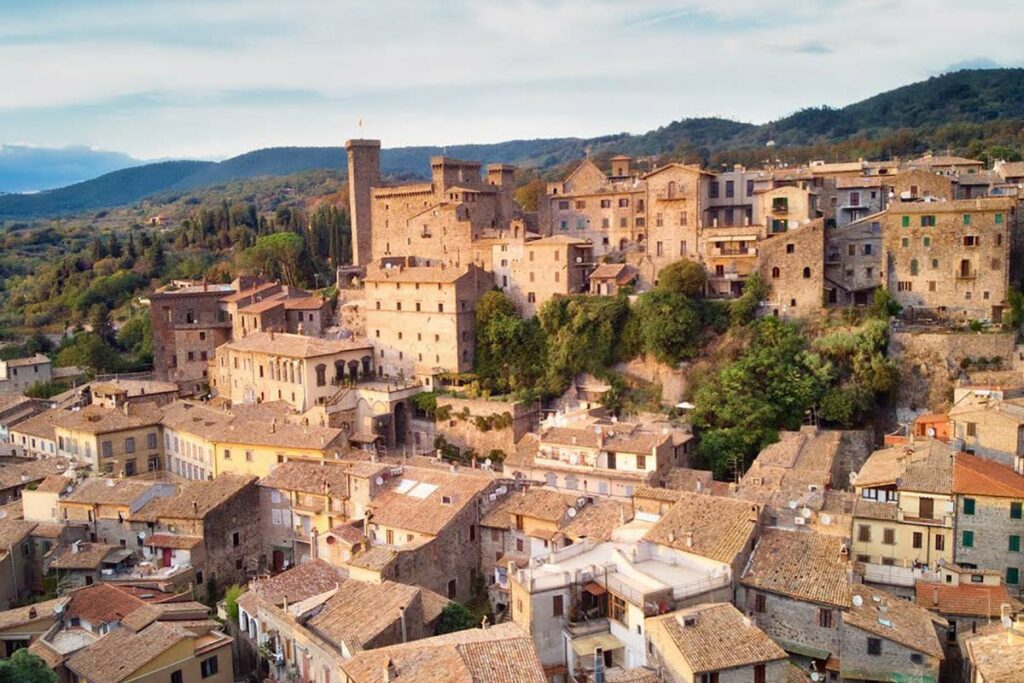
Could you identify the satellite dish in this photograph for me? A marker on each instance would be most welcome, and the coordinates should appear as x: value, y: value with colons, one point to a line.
x: 572, y: 512
x: 58, y: 608
x: 69, y: 489
x: 857, y: 601
x: 487, y: 462
x: 142, y: 535
x: 379, y: 481
x: 815, y: 676
x: 3, y: 514
x: 826, y: 519
x: 792, y: 505
x: 806, y: 513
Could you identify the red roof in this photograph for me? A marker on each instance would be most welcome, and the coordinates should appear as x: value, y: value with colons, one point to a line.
x: 964, y: 599
x: 983, y: 477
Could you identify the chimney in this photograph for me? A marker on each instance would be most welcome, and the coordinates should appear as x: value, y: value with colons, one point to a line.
x: 401, y: 619
x: 195, y: 507
x: 689, y: 539
x: 390, y: 673
x: 313, y: 538
x: 32, y: 612
x: 935, y: 596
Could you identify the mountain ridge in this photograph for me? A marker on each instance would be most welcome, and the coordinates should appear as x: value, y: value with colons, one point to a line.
x: 971, y: 98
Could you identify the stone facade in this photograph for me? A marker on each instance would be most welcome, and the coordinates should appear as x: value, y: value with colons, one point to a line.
x: 995, y: 536
x: 549, y: 267
x: 853, y: 262
x: 462, y: 430
x: 421, y: 318
x: 785, y: 619
x: 859, y: 197
x: 859, y: 663
x: 188, y: 325
x: 793, y: 264
x: 950, y: 259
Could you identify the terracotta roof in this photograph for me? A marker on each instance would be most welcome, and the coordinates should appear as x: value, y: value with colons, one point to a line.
x: 790, y: 467
x: 873, y: 509
x: 102, y: 604
x: 800, y: 564
x: 538, y: 502
x: 37, y: 359
x: 246, y: 293
x: 890, y: 617
x: 295, y: 345
x: 263, y: 424
x: 20, y: 616
x: 686, y: 479
x: 620, y: 272
x: 173, y: 541
x: 20, y: 474
x: 319, y: 478
x: 944, y: 160
x: 120, y: 653
x: 360, y: 611
x: 195, y: 499
x: 720, y: 527
x: 54, y: 483
x: 598, y: 520
x: 88, y: 556
x: 306, y: 303
x: 503, y: 653
x: 441, y: 274
x: 657, y: 493
x: 620, y: 437
x: 13, y: 532
x: 712, y: 637
x: 1011, y: 169
x: 96, y: 419
x: 995, y: 660
x: 101, y: 491
x: 306, y: 580
x: 39, y: 426
x: 637, y: 674
x: 432, y: 498
x: 983, y: 477
x: 965, y: 599
x: 923, y: 466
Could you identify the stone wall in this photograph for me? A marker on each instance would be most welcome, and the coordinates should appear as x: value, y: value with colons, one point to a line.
x: 992, y: 527
x: 674, y: 382
x: 857, y: 664
x: 464, y: 433
x: 791, y: 620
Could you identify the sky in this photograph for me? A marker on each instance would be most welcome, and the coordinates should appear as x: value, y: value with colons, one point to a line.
x: 158, y: 79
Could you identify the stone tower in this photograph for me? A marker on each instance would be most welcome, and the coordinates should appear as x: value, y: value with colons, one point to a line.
x: 363, y: 175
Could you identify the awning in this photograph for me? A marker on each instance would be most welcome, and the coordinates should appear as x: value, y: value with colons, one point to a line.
x: 587, y: 644
x: 805, y: 650
x: 116, y: 556
x: 595, y: 589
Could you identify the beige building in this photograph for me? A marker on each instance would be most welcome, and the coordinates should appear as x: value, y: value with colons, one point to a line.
x: 713, y: 641
x: 302, y: 371
x: 949, y: 259
x: 903, y: 521
x: 122, y: 442
x: 18, y: 374
x: 441, y: 218
x: 785, y: 207
x: 421, y: 318
x: 549, y: 267
x: 853, y: 262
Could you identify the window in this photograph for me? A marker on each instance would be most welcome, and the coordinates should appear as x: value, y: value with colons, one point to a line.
x: 1015, y: 510
x: 520, y: 547
x: 227, y: 453
x: 906, y: 221
x: 556, y: 606
x: 905, y: 242
x: 617, y: 609
x: 875, y: 646
x: 759, y: 603
x: 208, y: 667
x: 913, y: 266
x: 864, y: 533
x: 129, y: 444
x: 581, y: 204
x: 151, y: 441
x: 999, y: 218
x: 730, y: 188
x: 968, y: 505
x: 709, y: 677
x: 790, y: 248
x: 606, y: 203
x: 759, y: 673
x: 968, y: 539
x: 927, y: 221
x: 452, y: 589
x: 916, y: 658
x: 563, y: 205
x: 624, y: 202
x: 904, y: 286
x: 1014, y: 544
x: 824, y: 617
x: 641, y: 462
x: 889, y: 536
x: 248, y: 456
x: 940, y: 542
x: 236, y: 539
x: 918, y: 539
x: 926, y: 241
x: 1012, y: 575
x: 713, y: 189
x: 867, y: 249
x: 321, y: 375
x: 177, y: 676
x: 775, y: 273
x: 967, y: 219
x: 971, y: 240
x: 107, y: 448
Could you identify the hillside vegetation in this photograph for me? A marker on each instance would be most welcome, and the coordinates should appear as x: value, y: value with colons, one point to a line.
x: 978, y: 113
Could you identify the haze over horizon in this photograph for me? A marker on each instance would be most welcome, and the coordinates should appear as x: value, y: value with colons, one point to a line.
x: 215, y: 79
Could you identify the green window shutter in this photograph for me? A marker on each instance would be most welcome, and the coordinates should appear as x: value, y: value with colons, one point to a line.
x: 999, y: 218
x: 967, y: 219
x: 906, y: 221
x: 927, y: 241
x: 1014, y: 544
x: 968, y: 506
x: 1012, y: 575
x: 968, y: 539
x: 1015, y: 510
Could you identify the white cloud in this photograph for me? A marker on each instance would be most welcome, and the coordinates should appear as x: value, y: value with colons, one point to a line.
x: 150, y: 78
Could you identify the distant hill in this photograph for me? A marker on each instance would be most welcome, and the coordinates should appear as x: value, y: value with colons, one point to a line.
x: 919, y: 115
x: 30, y: 169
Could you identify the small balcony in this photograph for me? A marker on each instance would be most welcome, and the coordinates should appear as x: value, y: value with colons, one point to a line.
x: 967, y: 275
x: 733, y: 252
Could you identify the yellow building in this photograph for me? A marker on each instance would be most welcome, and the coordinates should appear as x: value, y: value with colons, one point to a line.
x: 121, y: 442
x: 904, y: 514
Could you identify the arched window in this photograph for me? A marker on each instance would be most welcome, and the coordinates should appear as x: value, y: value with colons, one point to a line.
x: 671, y: 189
x: 807, y: 273
x: 775, y: 273
x: 913, y: 267
x: 321, y: 375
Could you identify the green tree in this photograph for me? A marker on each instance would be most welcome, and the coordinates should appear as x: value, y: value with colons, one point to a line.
x: 88, y: 351
x: 231, y: 596
x: 743, y: 308
x: 510, y: 351
x: 99, y: 321
x: 683, y: 277
x: 277, y: 255
x: 25, y: 667
x: 454, y: 617
x: 668, y: 325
